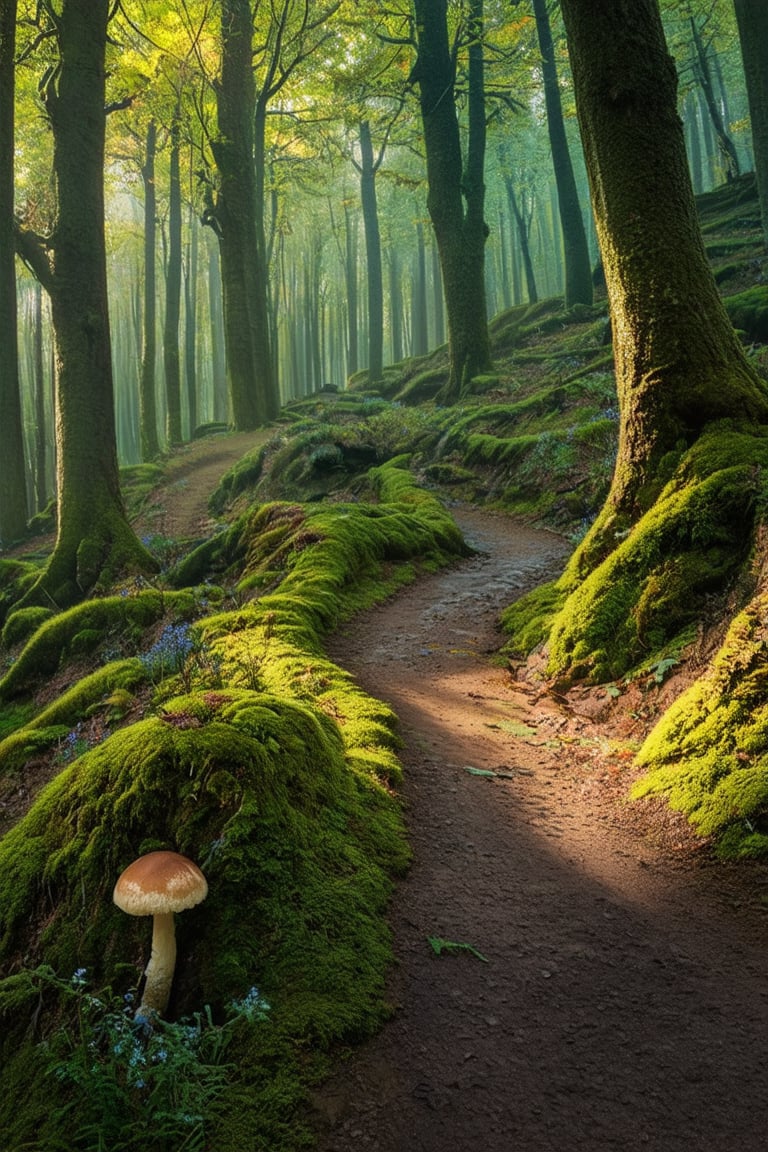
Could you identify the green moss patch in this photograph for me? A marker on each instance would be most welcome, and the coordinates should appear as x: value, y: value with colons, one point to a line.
x: 80, y: 629
x: 298, y: 850
x: 708, y: 755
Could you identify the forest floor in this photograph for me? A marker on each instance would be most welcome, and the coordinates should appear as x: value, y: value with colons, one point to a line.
x: 622, y: 1001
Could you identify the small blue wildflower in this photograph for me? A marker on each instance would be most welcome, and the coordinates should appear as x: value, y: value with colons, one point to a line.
x: 78, y: 976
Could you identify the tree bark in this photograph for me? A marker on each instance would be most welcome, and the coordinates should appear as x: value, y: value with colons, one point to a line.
x: 190, y: 324
x: 234, y: 216
x: 38, y: 371
x: 679, y: 364
x: 704, y: 76
x: 578, y: 272
x: 752, y: 19
x: 150, y: 444
x: 460, y: 231
x: 13, y: 495
x: 350, y: 280
x: 171, y: 352
x: 523, y: 236
x: 94, y: 540
x: 368, y: 170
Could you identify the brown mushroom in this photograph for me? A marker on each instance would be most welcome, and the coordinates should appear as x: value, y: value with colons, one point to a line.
x: 158, y: 885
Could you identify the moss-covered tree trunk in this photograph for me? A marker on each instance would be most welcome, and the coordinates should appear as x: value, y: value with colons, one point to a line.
x: 679, y: 364
x: 460, y: 231
x: 752, y: 19
x: 678, y: 521
x: 578, y: 273
x: 94, y: 538
x: 13, y: 498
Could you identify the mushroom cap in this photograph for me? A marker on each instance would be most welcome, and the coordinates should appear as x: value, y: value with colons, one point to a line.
x: 160, y: 882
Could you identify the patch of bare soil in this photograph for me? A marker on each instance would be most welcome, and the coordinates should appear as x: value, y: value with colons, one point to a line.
x: 622, y: 1002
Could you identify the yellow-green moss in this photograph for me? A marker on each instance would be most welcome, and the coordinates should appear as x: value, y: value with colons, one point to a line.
x: 50, y: 644
x: 708, y: 755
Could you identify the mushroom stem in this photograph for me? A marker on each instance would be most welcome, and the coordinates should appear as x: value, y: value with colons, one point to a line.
x: 162, y: 962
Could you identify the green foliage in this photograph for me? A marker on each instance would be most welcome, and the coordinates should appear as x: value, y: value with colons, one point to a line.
x: 130, y: 1086
x: 241, y: 477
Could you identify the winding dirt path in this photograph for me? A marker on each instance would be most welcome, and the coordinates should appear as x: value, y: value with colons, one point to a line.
x: 624, y: 1002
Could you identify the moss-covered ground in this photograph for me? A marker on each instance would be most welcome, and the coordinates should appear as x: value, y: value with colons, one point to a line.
x: 200, y: 712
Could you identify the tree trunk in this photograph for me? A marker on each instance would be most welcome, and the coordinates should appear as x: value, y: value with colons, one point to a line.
x: 171, y: 352
x: 523, y: 235
x: 190, y: 324
x: 395, y: 306
x: 367, y: 170
x: 218, y: 359
x: 38, y: 375
x: 679, y: 364
x: 150, y: 445
x: 234, y: 216
x: 420, y: 340
x: 578, y: 272
x: 675, y: 521
x: 94, y: 541
x: 350, y: 279
x: 752, y: 19
x: 13, y: 492
x: 725, y: 144
x: 460, y: 233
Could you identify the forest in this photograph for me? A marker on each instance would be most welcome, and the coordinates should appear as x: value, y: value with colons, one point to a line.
x: 383, y: 574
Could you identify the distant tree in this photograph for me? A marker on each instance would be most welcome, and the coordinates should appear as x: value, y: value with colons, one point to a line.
x: 367, y: 167
x: 752, y: 19
x: 13, y: 499
x: 150, y: 446
x: 171, y: 350
x: 94, y: 538
x: 578, y: 271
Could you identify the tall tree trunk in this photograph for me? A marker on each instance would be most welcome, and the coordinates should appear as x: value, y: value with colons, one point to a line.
x: 218, y: 359
x: 694, y: 143
x: 94, y: 540
x: 752, y: 19
x: 578, y: 272
x: 680, y: 369
x: 350, y: 280
x: 264, y: 352
x: 41, y: 422
x: 367, y: 170
x: 13, y: 492
x: 438, y: 306
x: 704, y: 76
x: 523, y: 235
x: 171, y: 351
x: 460, y: 233
x: 420, y: 342
x: 150, y: 445
x: 190, y: 324
x: 395, y: 306
x: 234, y: 218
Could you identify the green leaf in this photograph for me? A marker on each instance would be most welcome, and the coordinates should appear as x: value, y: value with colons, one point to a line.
x: 438, y: 946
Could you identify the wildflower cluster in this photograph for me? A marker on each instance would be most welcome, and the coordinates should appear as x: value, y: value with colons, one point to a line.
x: 74, y: 744
x: 169, y: 653
x: 137, y: 1084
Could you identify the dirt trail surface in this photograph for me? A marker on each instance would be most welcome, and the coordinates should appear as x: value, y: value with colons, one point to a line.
x: 178, y: 508
x: 624, y: 1001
